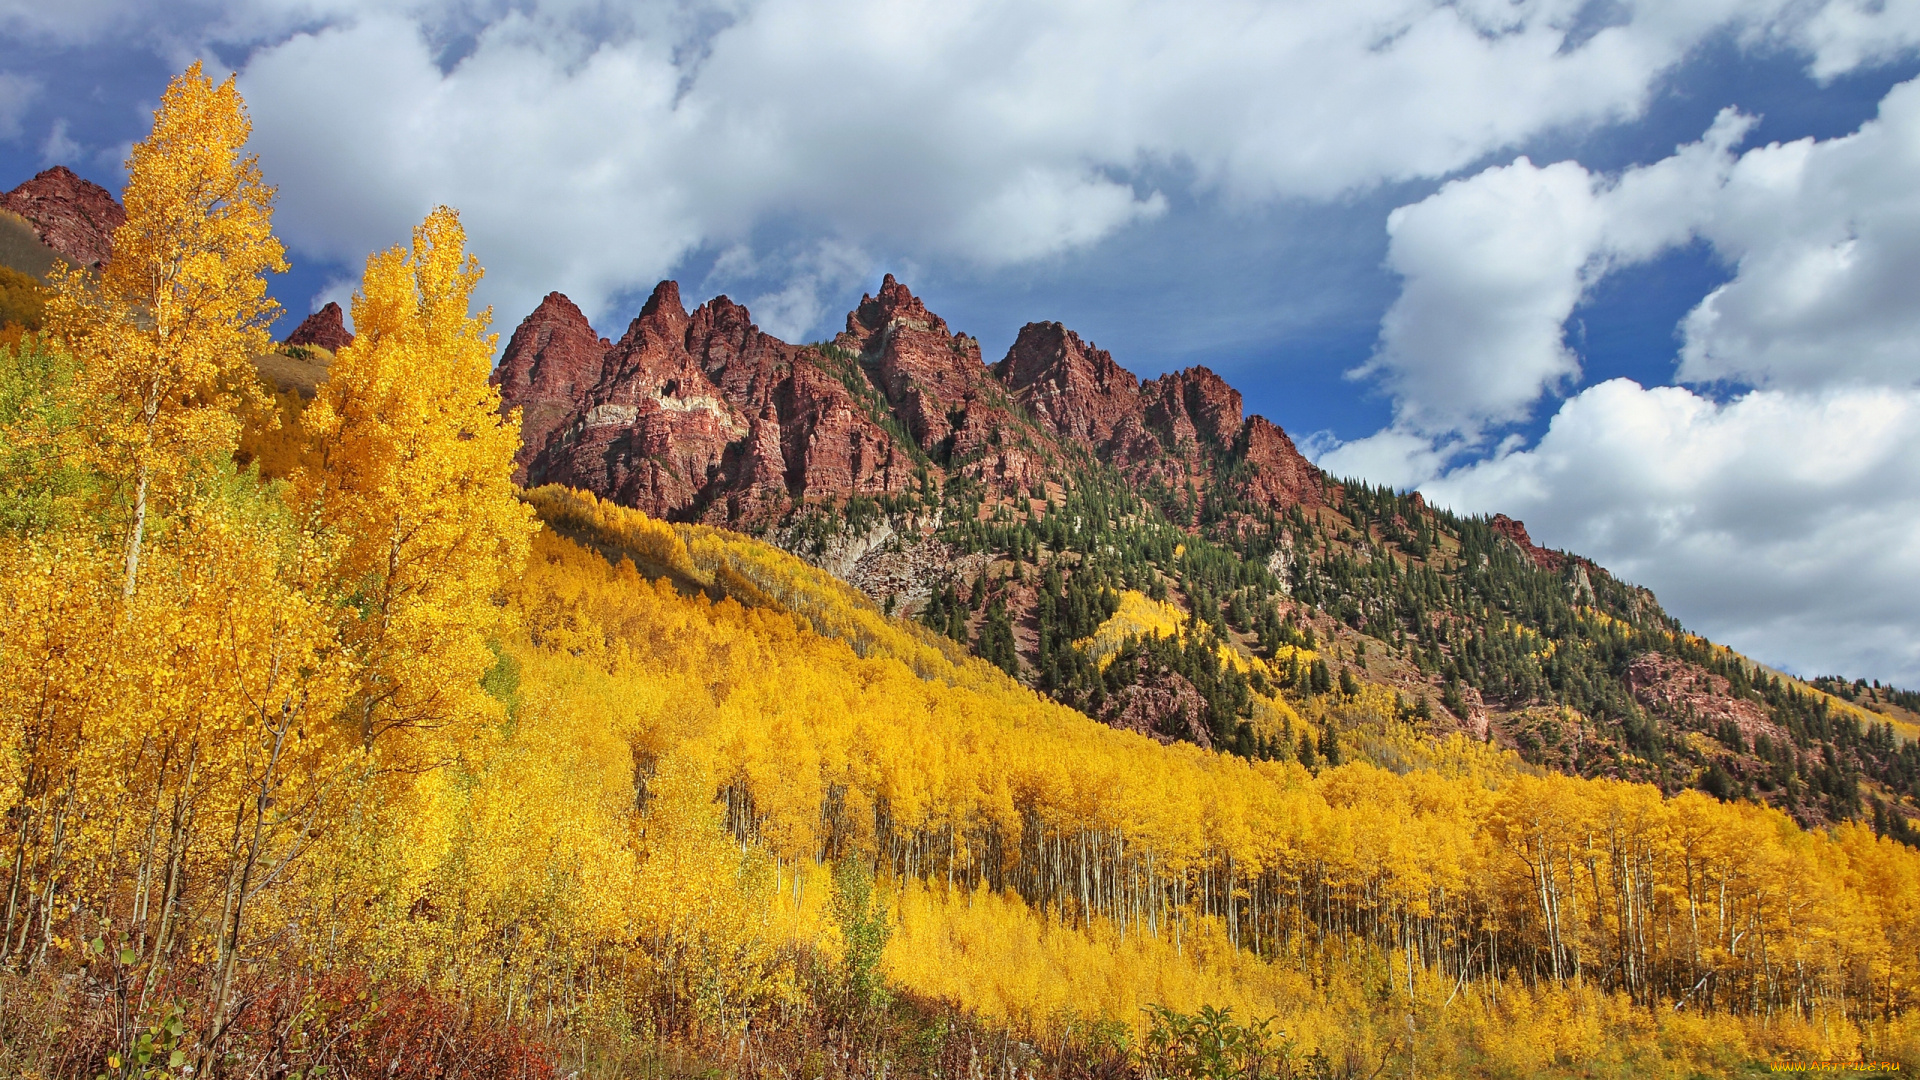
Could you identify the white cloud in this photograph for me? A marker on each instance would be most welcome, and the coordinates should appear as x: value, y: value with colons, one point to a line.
x: 17, y: 92
x: 1395, y: 457
x: 1848, y: 34
x: 1782, y: 523
x: 1826, y: 240
x: 59, y: 147
x: 592, y: 148
x: 1493, y: 265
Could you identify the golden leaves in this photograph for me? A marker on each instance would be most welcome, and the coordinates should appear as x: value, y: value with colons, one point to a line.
x: 409, y: 478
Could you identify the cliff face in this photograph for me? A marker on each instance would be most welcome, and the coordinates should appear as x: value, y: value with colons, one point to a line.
x: 74, y: 217
x: 1516, y: 531
x: 326, y: 328
x: 1183, y: 426
x: 689, y: 416
x: 703, y: 416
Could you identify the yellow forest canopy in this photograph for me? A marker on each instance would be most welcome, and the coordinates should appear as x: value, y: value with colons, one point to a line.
x: 1472, y: 870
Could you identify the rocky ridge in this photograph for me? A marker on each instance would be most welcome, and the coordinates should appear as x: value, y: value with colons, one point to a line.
x: 702, y: 416
x: 73, y: 216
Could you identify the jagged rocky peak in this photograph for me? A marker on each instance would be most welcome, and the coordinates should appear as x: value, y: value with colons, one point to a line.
x: 689, y: 415
x: 72, y: 215
x: 1279, y: 475
x: 896, y: 306
x: 663, y: 314
x: 1072, y: 385
x: 326, y: 328
x: 701, y: 415
x: 933, y: 379
x: 1194, y: 404
x: 551, y: 362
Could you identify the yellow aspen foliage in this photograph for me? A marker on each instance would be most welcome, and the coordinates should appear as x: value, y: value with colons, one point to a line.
x: 168, y: 331
x: 410, y: 476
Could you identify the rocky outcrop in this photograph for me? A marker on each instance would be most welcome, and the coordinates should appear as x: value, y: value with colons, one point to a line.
x: 934, y: 382
x: 73, y: 216
x: 326, y: 328
x: 1694, y: 698
x: 553, y: 359
x: 1193, y: 408
x: 1517, y: 532
x: 1278, y: 475
x: 688, y: 416
x: 1077, y: 390
x: 1182, y: 426
x: 1161, y: 705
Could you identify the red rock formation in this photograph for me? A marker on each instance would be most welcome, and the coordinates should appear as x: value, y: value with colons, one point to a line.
x: 1692, y: 697
x: 1078, y: 390
x: 702, y: 416
x: 1194, y: 405
x: 326, y: 328
x: 74, y: 217
x: 552, y: 360
x: 1517, y: 532
x: 1280, y: 476
x: 1181, y: 426
x: 688, y: 416
x: 929, y: 376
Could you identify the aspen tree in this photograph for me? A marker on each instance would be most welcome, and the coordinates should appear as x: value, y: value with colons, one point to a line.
x: 410, y: 476
x: 169, y: 329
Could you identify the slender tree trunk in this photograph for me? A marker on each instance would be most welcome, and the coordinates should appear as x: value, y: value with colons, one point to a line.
x: 239, y: 878
x: 137, y: 534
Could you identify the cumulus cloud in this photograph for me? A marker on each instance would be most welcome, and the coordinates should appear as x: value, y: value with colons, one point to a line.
x: 1392, y: 456
x: 1826, y: 239
x: 1492, y: 267
x: 593, y: 147
x: 1783, y: 518
x: 1782, y: 522
x: 1493, y: 264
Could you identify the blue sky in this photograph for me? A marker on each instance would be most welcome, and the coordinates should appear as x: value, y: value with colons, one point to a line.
x: 1637, y: 273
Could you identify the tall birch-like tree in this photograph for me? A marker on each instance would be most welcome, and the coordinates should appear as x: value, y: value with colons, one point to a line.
x: 169, y: 329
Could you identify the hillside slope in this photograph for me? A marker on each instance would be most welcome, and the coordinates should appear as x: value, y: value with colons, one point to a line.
x: 1012, y: 506
x: 1055, y: 875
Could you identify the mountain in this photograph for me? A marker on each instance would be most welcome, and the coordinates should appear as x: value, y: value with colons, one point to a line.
x: 1146, y: 553
x: 326, y: 329
x: 73, y: 217
x: 1052, y: 512
x: 703, y: 417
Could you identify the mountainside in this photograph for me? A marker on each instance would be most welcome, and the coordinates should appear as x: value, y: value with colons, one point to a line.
x: 1035, y: 506
x: 72, y: 216
x: 1140, y: 551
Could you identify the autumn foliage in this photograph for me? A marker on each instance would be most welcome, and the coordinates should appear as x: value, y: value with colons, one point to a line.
x: 367, y: 762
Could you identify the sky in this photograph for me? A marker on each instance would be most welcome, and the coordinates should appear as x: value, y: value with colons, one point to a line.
x: 1643, y: 274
